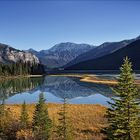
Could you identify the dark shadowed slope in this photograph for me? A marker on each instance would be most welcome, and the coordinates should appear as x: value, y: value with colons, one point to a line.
x: 102, y: 50
x: 112, y: 61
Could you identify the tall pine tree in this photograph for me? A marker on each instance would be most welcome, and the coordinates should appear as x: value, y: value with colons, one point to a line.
x: 24, y: 117
x: 41, y: 121
x: 124, y: 112
x: 2, y: 115
x: 5, y: 120
x: 64, y: 130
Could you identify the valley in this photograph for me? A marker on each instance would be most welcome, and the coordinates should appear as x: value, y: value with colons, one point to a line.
x: 69, y: 70
x: 81, y: 74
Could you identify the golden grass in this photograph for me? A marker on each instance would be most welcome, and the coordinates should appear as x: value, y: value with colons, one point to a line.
x: 86, y: 120
x: 98, y: 80
x: 94, y: 79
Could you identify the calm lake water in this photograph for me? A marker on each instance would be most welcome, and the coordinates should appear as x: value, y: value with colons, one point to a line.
x: 55, y: 89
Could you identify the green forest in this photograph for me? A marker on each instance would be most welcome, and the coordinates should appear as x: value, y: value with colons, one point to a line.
x: 20, y: 68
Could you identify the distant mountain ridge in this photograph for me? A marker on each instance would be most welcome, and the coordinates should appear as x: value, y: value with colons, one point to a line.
x: 102, y: 50
x: 114, y: 60
x: 8, y: 55
x: 61, y: 54
x: 68, y: 55
x: 64, y: 55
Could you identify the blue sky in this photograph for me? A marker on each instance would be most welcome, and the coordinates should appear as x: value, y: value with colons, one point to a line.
x: 42, y: 24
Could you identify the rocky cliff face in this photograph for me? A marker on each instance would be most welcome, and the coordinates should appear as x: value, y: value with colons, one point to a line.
x: 9, y: 54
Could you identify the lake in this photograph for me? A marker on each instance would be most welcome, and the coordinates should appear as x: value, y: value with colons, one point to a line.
x: 55, y: 89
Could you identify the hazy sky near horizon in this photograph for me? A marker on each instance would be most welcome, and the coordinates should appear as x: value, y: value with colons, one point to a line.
x: 42, y: 24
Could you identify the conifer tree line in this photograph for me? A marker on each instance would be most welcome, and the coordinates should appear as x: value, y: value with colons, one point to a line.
x: 20, y: 68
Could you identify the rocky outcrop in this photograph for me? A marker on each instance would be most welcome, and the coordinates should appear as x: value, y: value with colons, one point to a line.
x: 9, y: 54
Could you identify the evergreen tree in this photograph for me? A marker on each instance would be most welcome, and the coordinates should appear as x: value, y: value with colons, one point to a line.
x: 124, y: 112
x: 4, y: 116
x: 41, y: 121
x: 21, y: 68
x: 0, y: 69
x: 14, y: 69
x: 24, y: 117
x: 2, y: 109
x: 26, y: 68
x: 64, y: 129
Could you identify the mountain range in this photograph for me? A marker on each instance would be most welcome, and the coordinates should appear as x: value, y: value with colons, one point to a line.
x: 61, y: 54
x: 72, y: 56
x: 102, y: 50
x: 68, y: 55
x: 112, y: 61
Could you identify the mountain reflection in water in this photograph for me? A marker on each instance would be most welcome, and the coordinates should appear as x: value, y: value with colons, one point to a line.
x: 55, y: 89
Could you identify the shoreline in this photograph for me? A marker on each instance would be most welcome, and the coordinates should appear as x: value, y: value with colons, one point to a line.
x: 92, y: 78
x: 98, y: 80
x: 95, y: 79
x: 17, y: 77
x: 56, y: 104
x: 68, y: 75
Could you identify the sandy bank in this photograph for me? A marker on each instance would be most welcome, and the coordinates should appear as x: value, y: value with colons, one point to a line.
x: 98, y: 80
x: 94, y: 79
